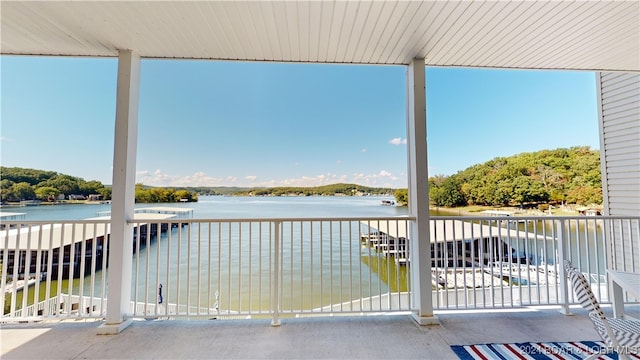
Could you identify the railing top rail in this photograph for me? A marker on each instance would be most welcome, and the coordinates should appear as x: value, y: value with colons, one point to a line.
x: 286, y: 219
x: 538, y: 217
x: 55, y: 222
x: 333, y: 218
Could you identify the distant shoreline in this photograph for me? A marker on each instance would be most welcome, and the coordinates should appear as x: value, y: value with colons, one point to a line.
x: 477, y: 211
x: 58, y: 202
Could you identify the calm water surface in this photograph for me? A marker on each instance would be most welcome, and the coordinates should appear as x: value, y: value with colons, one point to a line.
x: 215, y: 207
x: 223, y: 207
x: 231, y: 207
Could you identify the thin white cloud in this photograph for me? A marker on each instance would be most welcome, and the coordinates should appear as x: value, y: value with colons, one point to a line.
x: 398, y: 141
x: 159, y: 178
x: 364, y: 150
x: 383, y: 178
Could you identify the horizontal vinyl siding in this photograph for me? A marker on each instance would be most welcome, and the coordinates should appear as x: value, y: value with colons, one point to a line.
x: 620, y: 111
x: 620, y: 156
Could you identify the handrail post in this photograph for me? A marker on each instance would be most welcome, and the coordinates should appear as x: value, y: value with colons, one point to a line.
x: 276, y: 275
x: 562, y: 273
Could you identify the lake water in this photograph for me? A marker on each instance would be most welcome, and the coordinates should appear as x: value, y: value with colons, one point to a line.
x: 231, y: 207
x: 210, y: 207
x: 224, y: 207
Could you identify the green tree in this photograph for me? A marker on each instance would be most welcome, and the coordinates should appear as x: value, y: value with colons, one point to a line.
x: 47, y: 193
x: 182, y: 194
x: 6, y: 190
x: 585, y: 195
x: 106, y: 193
x: 90, y: 187
x: 402, y: 196
x: 446, y: 191
x: 528, y: 190
x: 23, y: 191
x: 66, y: 184
x: 142, y: 195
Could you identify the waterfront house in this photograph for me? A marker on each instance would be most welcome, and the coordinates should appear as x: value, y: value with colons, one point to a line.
x: 589, y: 211
x: 94, y: 197
x: 597, y: 36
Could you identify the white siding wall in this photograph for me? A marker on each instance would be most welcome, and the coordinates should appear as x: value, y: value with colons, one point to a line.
x: 619, y: 113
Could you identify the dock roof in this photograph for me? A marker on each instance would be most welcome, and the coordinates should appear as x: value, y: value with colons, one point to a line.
x: 449, y: 230
x: 139, y: 217
x: 50, y: 236
x: 53, y: 236
x: 11, y: 215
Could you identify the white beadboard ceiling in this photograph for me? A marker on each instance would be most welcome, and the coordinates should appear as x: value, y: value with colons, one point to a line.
x: 581, y: 35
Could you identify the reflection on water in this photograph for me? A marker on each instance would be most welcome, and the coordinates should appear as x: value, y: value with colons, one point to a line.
x: 389, y: 272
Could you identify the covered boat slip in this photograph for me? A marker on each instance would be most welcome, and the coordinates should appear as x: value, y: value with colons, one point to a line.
x: 35, y: 242
x: 52, y: 236
x: 468, y: 254
x: 11, y: 216
x: 481, y: 241
x: 158, y: 212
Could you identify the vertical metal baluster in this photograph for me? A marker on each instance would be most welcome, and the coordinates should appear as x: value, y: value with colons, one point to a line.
x: 219, y: 289
x: 250, y: 273
x: 564, y: 288
x: 188, y: 271
x: 83, y: 252
x: 276, y: 276
x: 157, y: 284
x: 209, y: 267
x: 39, y: 260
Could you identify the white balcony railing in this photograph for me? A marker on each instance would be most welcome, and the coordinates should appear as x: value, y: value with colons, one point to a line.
x: 205, y: 268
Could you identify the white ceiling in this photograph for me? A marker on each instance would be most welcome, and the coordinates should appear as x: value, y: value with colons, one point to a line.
x: 583, y: 35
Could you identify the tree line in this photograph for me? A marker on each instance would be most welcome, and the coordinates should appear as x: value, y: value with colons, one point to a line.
x: 564, y: 175
x: 163, y: 195
x: 340, y: 189
x: 560, y: 176
x: 20, y: 184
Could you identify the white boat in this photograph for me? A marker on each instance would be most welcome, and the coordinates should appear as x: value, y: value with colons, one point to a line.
x: 388, y: 202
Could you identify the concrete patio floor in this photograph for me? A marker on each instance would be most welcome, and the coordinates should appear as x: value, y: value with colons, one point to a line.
x: 353, y: 337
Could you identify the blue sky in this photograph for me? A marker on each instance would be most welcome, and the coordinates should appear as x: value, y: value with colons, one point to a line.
x: 211, y: 123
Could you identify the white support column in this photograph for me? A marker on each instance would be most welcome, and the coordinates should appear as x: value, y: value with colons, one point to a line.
x: 123, y: 193
x: 420, y: 247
